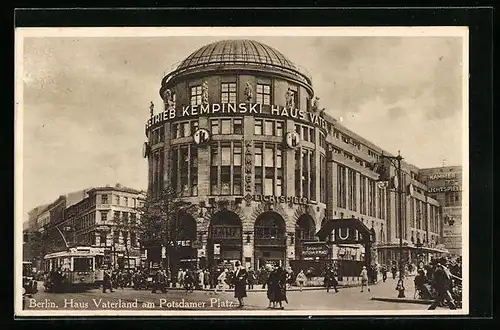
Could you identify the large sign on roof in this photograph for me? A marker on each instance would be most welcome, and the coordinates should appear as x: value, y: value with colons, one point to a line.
x: 229, y: 109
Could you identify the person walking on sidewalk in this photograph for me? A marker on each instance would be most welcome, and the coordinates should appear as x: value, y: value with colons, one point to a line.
x: 240, y: 283
x: 442, y: 284
x: 301, y: 279
x: 221, y: 281
x: 364, y: 279
x: 251, y: 279
x: 384, y: 273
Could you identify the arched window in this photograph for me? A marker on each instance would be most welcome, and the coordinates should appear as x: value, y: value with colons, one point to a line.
x: 269, y: 225
x: 305, y: 229
x: 225, y: 225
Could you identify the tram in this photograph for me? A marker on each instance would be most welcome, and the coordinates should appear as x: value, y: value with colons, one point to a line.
x: 75, y: 268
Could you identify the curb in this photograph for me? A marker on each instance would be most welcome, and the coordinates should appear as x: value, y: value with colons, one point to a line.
x: 404, y: 300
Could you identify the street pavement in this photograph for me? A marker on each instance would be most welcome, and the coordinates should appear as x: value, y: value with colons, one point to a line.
x: 349, y: 298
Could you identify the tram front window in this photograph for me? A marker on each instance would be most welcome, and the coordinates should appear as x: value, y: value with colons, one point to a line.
x: 82, y: 264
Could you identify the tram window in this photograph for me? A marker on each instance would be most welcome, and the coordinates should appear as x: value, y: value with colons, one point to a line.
x: 82, y: 264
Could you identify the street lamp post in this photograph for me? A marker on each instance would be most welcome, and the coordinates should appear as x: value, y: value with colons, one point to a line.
x: 400, y: 286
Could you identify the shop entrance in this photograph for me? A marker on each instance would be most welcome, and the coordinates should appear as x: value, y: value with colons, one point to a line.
x: 181, y: 253
x: 269, y: 239
x: 305, y: 231
x: 225, y: 240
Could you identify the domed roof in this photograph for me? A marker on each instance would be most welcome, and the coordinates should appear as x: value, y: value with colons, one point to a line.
x: 238, y: 54
x: 237, y: 51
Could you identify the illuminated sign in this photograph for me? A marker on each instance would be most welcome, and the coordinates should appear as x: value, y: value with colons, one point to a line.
x: 292, y: 139
x: 444, y: 189
x: 201, y: 136
x: 443, y: 176
x: 281, y: 199
x: 188, y: 111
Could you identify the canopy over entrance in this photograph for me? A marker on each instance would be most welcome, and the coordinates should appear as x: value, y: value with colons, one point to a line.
x: 347, y: 231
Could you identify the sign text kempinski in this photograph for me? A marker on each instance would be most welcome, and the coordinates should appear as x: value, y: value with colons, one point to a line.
x: 236, y: 108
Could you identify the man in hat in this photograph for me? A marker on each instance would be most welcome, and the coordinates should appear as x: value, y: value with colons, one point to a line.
x: 442, y: 283
x: 240, y: 281
x: 364, y: 279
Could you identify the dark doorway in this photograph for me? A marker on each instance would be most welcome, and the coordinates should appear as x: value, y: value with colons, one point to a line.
x: 305, y: 231
x: 225, y: 239
x: 269, y: 239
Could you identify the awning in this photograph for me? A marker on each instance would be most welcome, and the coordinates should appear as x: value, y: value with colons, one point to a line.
x: 346, y: 223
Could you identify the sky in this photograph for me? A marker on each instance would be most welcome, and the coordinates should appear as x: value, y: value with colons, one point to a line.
x: 86, y: 100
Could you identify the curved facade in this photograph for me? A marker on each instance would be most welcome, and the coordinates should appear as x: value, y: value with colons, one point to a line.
x: 241, y: 138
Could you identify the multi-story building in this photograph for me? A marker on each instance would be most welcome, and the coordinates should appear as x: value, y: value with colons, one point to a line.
x: 242, y: 137
x: 107, y: 218
x: 102, y: 217
x: 445, y: 185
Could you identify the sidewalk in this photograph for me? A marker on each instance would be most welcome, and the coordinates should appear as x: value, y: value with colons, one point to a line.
x: 258, y: 288
x: 409, y: 295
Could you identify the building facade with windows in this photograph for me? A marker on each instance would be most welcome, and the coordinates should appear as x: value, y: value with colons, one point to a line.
x: 445, y: 185
x: 242, y: 137
x: 99, y: 217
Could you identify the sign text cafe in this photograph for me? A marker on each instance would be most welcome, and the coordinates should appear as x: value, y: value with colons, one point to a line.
x: 237, y: 109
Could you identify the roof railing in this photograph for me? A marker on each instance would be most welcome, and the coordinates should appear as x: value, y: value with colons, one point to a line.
x: 221, y: 59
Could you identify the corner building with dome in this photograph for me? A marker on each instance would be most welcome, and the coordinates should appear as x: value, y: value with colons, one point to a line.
x: 241, y: 137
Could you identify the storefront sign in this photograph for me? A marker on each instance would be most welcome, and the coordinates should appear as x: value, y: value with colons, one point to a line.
x: 248, y: 166
x: 217, y: 249
x: 281, y: 199
x: 188, y: 111
x: 443, y: 176
x: 315, y: 250
x: 444, y: 189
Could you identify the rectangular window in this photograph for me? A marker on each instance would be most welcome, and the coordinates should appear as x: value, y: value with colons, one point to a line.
x: 226, y: 155
x: 352, y: 189
x: 305, y: 133
x: 162, y: 133
x: 263, y: 95
x: 269, y: 127
x: 258, y: 127
x: 371, y: 198
x: 214, y: 125
x: 125, y: 201
x: 194, y: 126
x: 225, y: 173
x: 305, y: 174
x: 228, y: 93
x: 238, y: 126
x: 117, y: 200
x: 104, y: 216
x: 184, y: 170
x: 322, y: 140
x: 174, y: 129
x: 362, y: 194
x: 104, y: 199
x: 341, y: 186
x: 279, y: 158
x: 226, y: 126
x: 214, y: 180
x: 312, y: 135
x: 279, y: 128
x: 237, y: 154
x: 175, y: 169
x: 196, y: 93
x: 258, y: 169
x: 322, y: 179
x: 312, y: 176
x: 269, y: 157
x: 298, y: 176
x: 237, y: 186
x: 258, y: 155
x: 193, y: 172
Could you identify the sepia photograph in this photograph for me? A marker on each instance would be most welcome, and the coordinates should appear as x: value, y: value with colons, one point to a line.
x: 205, y: 171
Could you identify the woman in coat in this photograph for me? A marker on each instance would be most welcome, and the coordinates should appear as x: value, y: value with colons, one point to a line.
x: 240, y: 281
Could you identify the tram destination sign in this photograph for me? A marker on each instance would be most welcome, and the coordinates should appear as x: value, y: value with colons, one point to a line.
x: 229, y: 109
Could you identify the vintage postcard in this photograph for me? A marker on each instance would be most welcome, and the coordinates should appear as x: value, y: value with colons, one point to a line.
x: 241, y: 171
